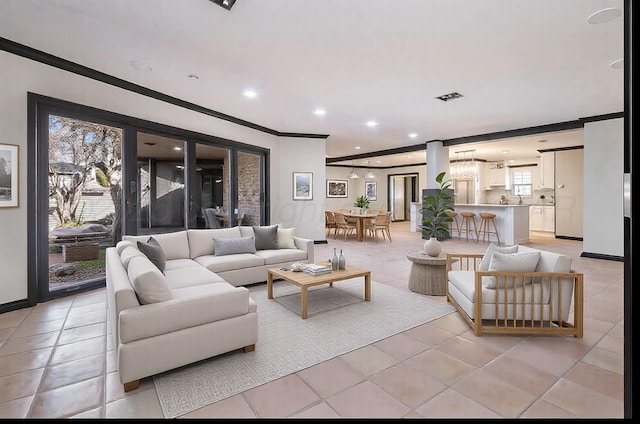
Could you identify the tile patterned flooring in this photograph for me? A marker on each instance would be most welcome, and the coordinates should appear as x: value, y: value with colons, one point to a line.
x: 57, y: 359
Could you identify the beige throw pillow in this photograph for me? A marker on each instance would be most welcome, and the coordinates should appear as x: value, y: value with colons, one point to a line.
x: 486, y: 259
x: 518, y: 262
x: 285, y: 238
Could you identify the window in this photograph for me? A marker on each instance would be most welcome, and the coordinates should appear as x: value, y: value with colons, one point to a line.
x: 522, y: 182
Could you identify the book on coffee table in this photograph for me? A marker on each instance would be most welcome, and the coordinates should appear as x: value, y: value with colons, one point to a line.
x: 314, y: 269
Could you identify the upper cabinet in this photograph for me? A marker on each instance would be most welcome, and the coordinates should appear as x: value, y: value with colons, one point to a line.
x: 495, y: 174
x: 547, y: 170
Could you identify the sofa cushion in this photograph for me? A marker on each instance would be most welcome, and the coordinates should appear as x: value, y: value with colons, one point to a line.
x: 266, y: 237
x: 285, y: 238
x: 518, y: 262
x: 122, y: 244
x: 230, y: 262
x: 278, y: 256
x: 179, y: 278
x: 232, y: 246
x: 488, y: 254
x: 149, y: 283
x: 180, y: 263
x: 201, y: 240
x: 550, y: 261
x: 174, y: 245
x: 154, y: 252
x: 128, y: 253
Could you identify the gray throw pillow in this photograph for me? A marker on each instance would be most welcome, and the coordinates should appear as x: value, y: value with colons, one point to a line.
x: 233, y: 245
x: 154, y: 252
x: 266, y: 237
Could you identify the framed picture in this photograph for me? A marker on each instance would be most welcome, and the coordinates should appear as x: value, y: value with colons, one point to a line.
x: 336, y: 188
x: 302, y: 185
x: 371, y: 190
x: 9, y: 175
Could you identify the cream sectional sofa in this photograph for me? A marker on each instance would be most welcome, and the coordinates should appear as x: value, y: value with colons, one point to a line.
x: 195, y: 307
x: 516, y: 290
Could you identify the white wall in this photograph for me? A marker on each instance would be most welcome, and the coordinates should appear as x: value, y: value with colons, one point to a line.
x: 603, y: 218
x: 20, y: 76
x: 355, y: 187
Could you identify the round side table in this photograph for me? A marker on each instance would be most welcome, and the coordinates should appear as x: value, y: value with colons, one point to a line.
x: 428, y: 273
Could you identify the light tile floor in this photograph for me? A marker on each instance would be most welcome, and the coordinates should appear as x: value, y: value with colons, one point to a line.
x: 57, y: 358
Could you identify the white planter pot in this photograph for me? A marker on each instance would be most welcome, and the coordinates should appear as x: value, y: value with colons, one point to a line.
x: 432, y: 247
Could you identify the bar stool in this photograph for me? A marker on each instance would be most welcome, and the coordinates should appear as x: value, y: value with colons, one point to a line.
x: 453, y: 225
x: 484, y: 226
x: 468, y: 219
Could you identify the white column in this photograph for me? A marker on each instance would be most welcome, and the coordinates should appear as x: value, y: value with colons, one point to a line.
x: 437, y: 161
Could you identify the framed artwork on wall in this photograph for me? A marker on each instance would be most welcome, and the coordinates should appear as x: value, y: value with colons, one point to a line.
x: 9, y: 175
x: 371, y: 190
x: 303, y: 186
x: 337, y: 188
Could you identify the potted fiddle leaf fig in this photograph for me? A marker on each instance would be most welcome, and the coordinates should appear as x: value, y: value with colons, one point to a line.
x: 436, y: 204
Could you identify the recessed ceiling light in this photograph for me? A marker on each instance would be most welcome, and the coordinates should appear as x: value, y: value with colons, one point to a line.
x: 371, y: 124
x: 357, y: 147
x: 320, y: 112
x: 250, y: 93
x: 140, y: 66
x: 617, y: 64
x: 604, y: 15
x: 413, y: 135
x: 378, y: 161
x: 177, y: 148
x: 194, y: 77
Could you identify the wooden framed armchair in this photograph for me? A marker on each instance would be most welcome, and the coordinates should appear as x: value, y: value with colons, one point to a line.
x: 546, y: 300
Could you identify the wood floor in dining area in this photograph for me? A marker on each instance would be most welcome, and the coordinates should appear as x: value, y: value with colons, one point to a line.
x: 57, y: 358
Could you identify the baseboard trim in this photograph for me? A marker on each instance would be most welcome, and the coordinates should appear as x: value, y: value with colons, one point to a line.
x: 602, y: 256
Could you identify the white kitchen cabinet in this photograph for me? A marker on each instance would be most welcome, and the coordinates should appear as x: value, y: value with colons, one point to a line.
x: 542, y: 218
x: 547, y: 170
x: 496, y: 174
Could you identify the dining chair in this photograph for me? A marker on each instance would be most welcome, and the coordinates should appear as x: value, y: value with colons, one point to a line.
x: 211, y: 219
x: 329, y: 222
x: 379, y: 224
x: 343, y: 226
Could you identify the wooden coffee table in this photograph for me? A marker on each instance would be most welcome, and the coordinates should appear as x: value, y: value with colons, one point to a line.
x: 304, y: 281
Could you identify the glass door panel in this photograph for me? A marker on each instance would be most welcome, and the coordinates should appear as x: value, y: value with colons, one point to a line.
x: 211, y: 186
x: 84, y: 170
x: 161, y: 183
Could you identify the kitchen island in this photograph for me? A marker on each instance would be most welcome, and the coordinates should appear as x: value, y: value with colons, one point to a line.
x: 512, y: 220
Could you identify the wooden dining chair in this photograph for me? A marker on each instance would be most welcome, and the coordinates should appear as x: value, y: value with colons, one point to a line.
x: 343, y: 226
x: 379, y: 224
x: 330, y: 222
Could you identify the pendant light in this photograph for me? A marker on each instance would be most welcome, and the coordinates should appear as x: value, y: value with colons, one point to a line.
x: 353, y: 172
x: 369, y: 174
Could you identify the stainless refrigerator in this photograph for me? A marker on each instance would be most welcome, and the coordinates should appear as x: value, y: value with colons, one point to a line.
x: 464, y: 191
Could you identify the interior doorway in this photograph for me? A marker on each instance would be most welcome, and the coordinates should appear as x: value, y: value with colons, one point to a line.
x: 403, y: 190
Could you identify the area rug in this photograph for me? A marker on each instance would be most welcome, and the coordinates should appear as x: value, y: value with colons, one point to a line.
x: 339, y: 320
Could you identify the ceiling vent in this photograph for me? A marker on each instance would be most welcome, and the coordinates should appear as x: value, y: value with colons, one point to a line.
x: 450, y: 96
x: 227, y: 4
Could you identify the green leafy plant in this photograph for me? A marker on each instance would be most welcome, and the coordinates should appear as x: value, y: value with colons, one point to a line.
x: 362, y: 202
x: 435, y: 223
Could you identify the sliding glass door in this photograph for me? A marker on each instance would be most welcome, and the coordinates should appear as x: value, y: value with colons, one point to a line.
x: 98, y: 175
x: 83, y: 160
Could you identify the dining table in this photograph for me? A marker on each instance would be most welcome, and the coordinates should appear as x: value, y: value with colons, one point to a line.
x: 361, y: 219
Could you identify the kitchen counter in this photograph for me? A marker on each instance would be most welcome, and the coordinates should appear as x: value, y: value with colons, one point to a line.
x: 512, y: 220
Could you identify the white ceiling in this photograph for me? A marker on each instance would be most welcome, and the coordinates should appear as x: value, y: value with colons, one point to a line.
x: 517, y: 63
